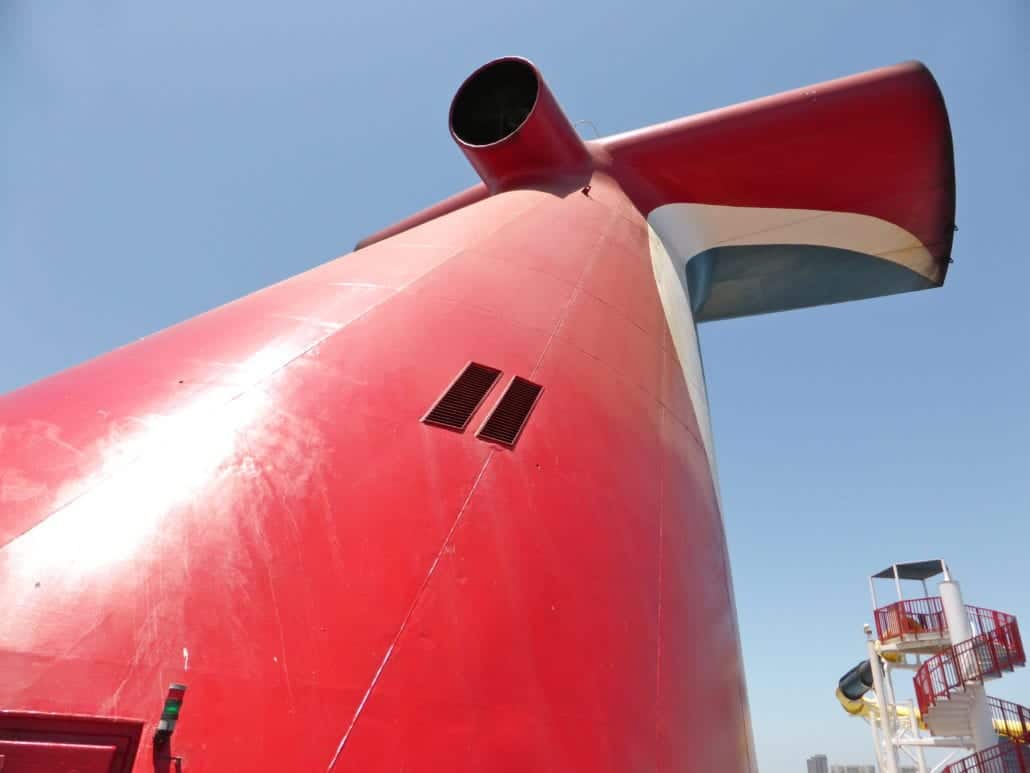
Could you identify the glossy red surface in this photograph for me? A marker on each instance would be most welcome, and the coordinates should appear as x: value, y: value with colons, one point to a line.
x: 874, y: 144
x: 247, y: 503
x: 877, y: 143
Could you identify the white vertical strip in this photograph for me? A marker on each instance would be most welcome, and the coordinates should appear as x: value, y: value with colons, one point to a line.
x: 671, y: 278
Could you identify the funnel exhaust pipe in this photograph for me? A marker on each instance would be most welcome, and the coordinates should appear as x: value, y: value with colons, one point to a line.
x: 512, y: 130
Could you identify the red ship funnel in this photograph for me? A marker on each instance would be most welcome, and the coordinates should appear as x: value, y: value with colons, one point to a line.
x: 510, y: 127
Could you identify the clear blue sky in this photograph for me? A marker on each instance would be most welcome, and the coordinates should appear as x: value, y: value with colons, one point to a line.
x: 159, y: 159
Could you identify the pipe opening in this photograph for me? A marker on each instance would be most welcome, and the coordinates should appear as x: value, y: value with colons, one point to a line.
x: 494, y: 102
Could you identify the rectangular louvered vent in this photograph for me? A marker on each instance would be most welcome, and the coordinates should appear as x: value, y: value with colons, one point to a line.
x: 455, y: 407
x: 509, y: 416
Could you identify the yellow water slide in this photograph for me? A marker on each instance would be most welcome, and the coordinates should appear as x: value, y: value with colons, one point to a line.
x: 852, y: 689
x: 854, y: 686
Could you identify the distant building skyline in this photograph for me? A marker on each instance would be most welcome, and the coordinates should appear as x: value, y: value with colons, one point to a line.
x: 819, y: 763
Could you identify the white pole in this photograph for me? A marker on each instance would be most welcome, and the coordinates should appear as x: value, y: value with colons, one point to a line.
x: 920, y: 756
x: 959, y: 631
x: 890, y: 756
x: 888, y: 683
x: 877, y: 747
x: 897, y: 583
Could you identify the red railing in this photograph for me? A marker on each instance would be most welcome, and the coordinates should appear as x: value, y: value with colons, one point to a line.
x: 1010, y: 719
x: 986, y: 620
x: 984, y: 656
x: 909, y: 617
x: 1003, y: 758
x: 915, y: 616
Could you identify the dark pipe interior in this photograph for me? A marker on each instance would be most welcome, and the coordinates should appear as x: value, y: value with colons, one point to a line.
x: 494, y: 102
x: 857, y: 682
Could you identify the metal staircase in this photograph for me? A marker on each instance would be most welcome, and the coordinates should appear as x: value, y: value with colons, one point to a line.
x: 1006, y: 757
x: 1012, y: 720
x: 947, y: 706
x: 951, y: 717
x: 949, y: 650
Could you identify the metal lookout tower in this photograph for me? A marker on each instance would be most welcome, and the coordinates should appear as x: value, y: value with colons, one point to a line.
x: 951, y: 649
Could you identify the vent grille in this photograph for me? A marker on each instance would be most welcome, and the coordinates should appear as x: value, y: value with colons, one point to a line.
x: 505, y: 422
x: 466, y: 393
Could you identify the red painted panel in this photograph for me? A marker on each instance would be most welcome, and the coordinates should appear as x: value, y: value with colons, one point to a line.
x: 695, y: 595
x: 551, y: 247
x: 875, y: 144
x: 29, y: 757
x: 500, y: 288
x: 624, y: 282
x: 248, y: 503
x: 55, y: 743
x: 282, y: 534
x: 616, y: 341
